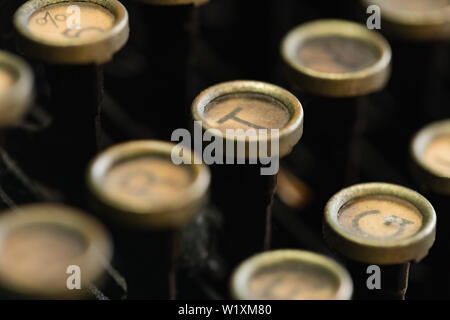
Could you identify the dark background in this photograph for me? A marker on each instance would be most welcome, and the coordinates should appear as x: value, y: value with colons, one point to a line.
x: 174, y: 53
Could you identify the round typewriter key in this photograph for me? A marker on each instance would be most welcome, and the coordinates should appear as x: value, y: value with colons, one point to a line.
x: 380, y: 223
x: 245, y: 114
x: 96, y: 21
x: 430, y: 151
x: 40, y: 242
x: 75, y: 32
x: 16, y: 87
x: 140, y: 184
x: 336, y: 58
x: 384, y: 224
x: 72, y: 40
x: 415, y: 19
x: 290, y: 275
x: 244, y: 105
x: 149, y: 201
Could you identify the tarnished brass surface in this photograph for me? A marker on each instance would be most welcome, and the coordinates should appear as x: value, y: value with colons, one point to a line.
x: 138, y: 183
x: 43, y: 32
x: 380, y: 223
x: 430, y: 152
x: 418, y: 20
x: 39, y: 242
x: 16, y: 89
x: 258, y: 105
x: 336, y: 58
x: 290, y: 275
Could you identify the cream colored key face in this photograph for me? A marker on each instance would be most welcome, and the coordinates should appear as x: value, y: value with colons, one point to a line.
x: 337, y: 54
x: 293, y: 281
x: 40, y: 254
x: 417, y: 5
x: 146, y: 181
x: 380, y: 218
x: 246, y: 111
x: 58, y: 22
x: 437, y: 154
x: 6, y: 80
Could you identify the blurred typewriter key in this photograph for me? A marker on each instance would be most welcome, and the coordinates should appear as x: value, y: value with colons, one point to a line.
x: 39, y: 244
x: 149, y: 200
x: 290, y: 275
x: 415, y: 19
x: 430, y: 151
x: 336, y: 58
x: 88, y: 33
x: 16, y: 90
x: 382, y: 224
x: 254, y: 108
x: 72, y: 40
x: 332, y: 65
x: 169, y: 24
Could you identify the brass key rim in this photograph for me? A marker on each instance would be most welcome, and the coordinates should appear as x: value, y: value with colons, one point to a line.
x: 248, y: 268
x: 90, y: 51
x: 288, y: 136
x: 16, y: 102
x: 384, y: 252
x: 330, y: 84
x: 417, y: 26
x: 425, y: 174
x: 174, y: 214
x: 92, y: 261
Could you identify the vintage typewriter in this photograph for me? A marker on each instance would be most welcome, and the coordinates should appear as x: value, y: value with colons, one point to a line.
x: 116, y: 181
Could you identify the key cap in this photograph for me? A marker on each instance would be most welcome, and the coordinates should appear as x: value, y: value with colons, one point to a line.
x: 46, y: 247
x: 336, y: 58
x: 147, y: 200
x: 290, y: 275
x: 244, y: 183
x: 16, y: 90
x: 384, y: 225
x: 430, y: 152
x: 415, y: 19
x: 81, y: 32
x: 71, y: 41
